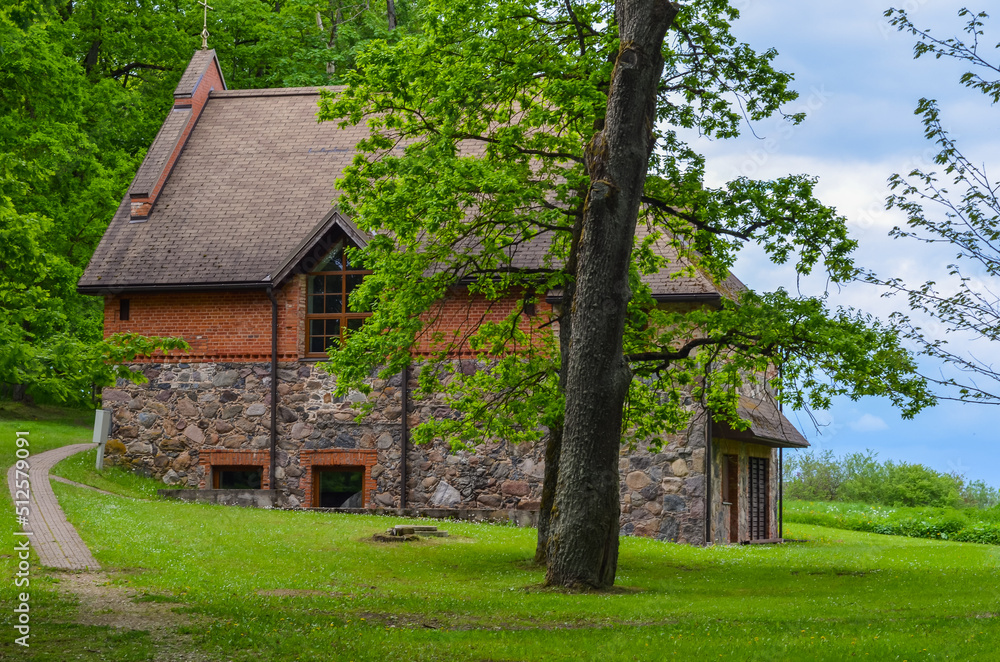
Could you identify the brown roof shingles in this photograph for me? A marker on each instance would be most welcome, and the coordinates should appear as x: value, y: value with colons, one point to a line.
x: 255, y: 177
x: 768, y: 425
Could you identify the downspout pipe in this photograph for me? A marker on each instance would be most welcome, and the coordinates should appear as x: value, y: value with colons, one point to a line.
x: 274, y: 387
x: 404, y: 440
x: 708, y: 482
x: 781, y: 493
x: 781, y: 470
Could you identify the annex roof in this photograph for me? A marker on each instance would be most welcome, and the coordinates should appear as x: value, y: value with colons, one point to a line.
x: 768, y: 425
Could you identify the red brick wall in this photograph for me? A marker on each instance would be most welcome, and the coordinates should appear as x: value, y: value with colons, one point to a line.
x: 460, y: 315
x: 219, y: 326
x: 236, y: 325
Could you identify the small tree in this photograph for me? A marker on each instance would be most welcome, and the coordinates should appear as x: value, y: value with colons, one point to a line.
x: 958, y: 207
x: 513, y: 128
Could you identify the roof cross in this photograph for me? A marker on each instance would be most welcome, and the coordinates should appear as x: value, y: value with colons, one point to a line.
x: 204, y: 29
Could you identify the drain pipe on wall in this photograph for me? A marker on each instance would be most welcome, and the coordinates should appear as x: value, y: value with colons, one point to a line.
x: 781, y: 493
x: 708, y: 482
x: 781, y: 472
x: 404, y: 440
x: 274, y: 386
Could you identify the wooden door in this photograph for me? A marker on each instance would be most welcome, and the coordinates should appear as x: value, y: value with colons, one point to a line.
x: 758, y: 496
x: 731, y: 493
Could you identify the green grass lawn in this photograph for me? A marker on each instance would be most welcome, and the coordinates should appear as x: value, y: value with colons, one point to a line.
x: 54, y: 635
x: 271, y: 585
x: 980, y: 525
x: 82, y: 469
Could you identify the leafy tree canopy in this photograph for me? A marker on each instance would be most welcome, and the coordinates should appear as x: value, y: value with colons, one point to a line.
x: 84, y: 88
x: 479, y: 123
x: 956, y: 206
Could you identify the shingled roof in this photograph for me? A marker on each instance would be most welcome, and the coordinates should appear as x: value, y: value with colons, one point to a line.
x: 253, y: 181
x: 768, y: 425
x: 238, y: 182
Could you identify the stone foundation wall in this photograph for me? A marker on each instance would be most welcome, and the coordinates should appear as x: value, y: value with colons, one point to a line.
x: 162, y: 429
x: 663, y: 494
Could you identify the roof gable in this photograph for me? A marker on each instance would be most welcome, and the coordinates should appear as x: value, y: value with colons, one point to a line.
x: 237, y: 189
x: 254, y: 180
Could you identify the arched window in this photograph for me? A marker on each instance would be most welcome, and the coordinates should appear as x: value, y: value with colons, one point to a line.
x: 329, y: 315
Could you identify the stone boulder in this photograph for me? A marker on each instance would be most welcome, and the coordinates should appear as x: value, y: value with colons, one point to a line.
x: 445, y: 496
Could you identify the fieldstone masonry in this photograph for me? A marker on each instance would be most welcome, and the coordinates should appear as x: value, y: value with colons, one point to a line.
x: 175, y: 426
x: 186, y: 411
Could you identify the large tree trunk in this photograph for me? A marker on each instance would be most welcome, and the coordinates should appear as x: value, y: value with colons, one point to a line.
x: 583, y: 531
x: 553, y: 446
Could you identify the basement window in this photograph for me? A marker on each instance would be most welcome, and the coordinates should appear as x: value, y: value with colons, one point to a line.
x: 338, y: 487
x: 329, y: 313
x: 237, y: 478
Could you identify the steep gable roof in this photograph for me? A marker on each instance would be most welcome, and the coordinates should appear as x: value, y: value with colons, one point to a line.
x: 255, y: 178
x: 238, y: 182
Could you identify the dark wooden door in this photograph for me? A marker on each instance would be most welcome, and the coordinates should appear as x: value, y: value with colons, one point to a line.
x: 758, y: 496
x: 731, y: 486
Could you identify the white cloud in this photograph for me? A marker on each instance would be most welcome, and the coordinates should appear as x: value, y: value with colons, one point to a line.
x: 869, y: 423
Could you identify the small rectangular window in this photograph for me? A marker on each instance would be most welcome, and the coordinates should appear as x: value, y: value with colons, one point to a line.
x: 237, y: 478
x: 338, y: 487
x: 123, y: 309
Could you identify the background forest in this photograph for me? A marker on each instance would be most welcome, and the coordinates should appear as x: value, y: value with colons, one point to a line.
x: 84, y: 87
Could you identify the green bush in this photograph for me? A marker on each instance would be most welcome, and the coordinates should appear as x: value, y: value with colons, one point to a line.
x: 980, y: 495
x: 813, y: 476
x: 861, y: 477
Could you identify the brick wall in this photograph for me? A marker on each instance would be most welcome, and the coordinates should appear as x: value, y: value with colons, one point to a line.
x: 235, y: 326
x: 450, y: 322
x: 219, y: 326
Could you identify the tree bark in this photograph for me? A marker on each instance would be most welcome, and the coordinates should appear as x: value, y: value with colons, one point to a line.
x: 584, y: 526
x: 390, y: 13
x: 553, y: 446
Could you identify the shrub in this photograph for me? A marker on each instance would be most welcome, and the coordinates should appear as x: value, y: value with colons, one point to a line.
x: 978, y: 494
x: 967, y: 525
x: 815, y: 476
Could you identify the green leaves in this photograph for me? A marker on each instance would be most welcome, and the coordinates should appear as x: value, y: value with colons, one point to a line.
x: 49, y: 338
x: 956, y: 206
x: 473, y: 183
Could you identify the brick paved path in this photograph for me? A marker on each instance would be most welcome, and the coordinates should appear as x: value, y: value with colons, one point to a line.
x: 54, y: 539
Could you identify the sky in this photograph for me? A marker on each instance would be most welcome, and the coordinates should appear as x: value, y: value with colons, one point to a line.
x: 859, y: 85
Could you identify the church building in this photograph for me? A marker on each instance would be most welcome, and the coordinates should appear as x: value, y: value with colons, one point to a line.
x: 228, y: 239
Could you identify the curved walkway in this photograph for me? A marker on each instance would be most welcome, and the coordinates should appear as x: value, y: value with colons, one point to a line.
x: 53, y: 538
